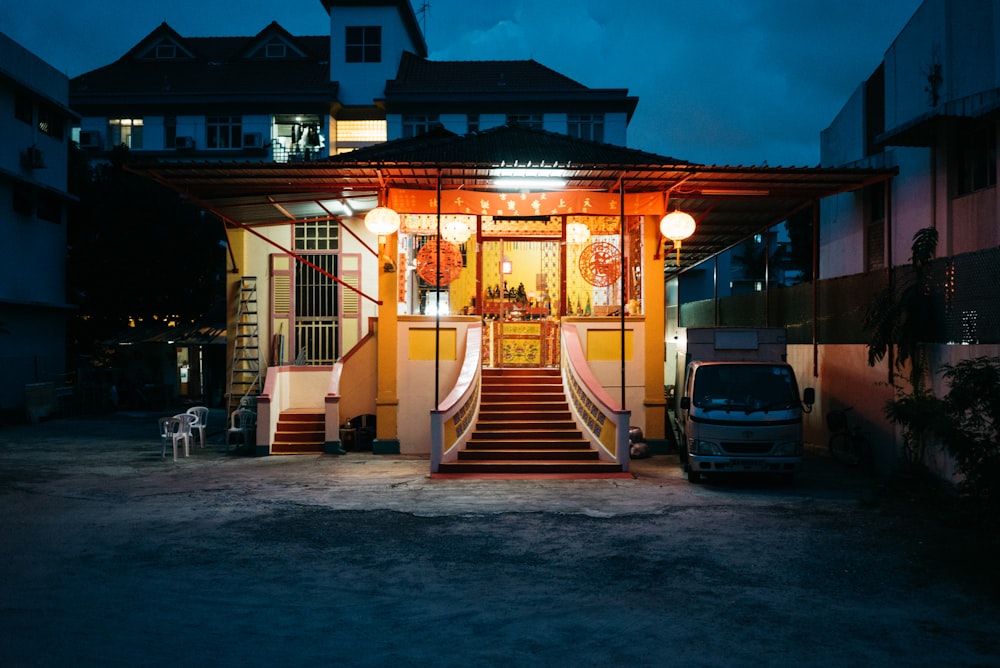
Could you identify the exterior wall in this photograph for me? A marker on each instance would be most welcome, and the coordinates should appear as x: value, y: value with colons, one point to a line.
x: 606, y: 361
x: 958, y: 35
x: 416, y: 372
x: 362, y: 83
x: 843, y: 141
x: 32, y: 310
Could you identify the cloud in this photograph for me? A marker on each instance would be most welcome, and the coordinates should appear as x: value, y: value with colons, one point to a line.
x: 718, y: 81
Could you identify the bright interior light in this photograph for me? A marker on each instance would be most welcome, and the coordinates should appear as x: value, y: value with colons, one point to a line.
x: 522, y: 178
x: 577, y: 233
x: 536, y: 183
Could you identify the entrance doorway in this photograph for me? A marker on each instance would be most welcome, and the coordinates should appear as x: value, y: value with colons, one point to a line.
x: 521, y: 287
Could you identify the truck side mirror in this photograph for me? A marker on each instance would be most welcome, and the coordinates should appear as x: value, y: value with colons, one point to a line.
x: 685, y: 403
x: 809, y: 396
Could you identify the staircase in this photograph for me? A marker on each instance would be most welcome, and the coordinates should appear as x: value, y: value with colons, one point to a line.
x: 244, y: 372
x: 525, y: 427
x: 299, y: 432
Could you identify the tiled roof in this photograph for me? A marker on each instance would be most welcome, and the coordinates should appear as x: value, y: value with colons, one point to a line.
x: 218, y: 65
x: 477, y: 76
x: 506, y: 145
x: 427, y: 83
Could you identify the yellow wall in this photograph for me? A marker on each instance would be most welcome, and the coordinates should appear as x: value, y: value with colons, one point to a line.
x: 606, y: 345
x: 423, y: 344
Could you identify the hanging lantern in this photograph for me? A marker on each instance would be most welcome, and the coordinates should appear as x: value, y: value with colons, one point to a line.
x: 455, y: 231
x: 677, y: 226
x: 577, y: 233
x: 382, y: 221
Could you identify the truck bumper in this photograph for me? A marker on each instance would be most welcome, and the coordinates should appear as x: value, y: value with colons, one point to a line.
x: 706, y: 464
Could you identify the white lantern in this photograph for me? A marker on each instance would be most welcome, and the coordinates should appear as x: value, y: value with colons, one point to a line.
x: 677, y: 226
x: 382, y: 221
x: 455, y: 231
x: 577, y: 233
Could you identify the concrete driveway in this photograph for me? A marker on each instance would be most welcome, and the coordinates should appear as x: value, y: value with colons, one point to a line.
x: 111, y: 556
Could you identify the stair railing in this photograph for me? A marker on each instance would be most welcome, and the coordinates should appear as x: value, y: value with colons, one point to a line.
x: 603, y: 421
x: 453, y: 420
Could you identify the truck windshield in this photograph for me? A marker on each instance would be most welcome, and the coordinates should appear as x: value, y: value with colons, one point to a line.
x: 747, y: 387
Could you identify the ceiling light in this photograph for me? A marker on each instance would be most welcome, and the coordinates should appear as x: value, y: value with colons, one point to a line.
x: 530, y: 183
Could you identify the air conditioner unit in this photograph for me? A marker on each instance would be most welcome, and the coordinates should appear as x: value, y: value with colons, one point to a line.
x: 90, y: 139
x: 32, y: 158
x: 253, y: 140
x: 184, y: 142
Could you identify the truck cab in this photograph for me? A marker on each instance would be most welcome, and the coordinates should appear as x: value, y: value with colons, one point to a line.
x: 740, y: 409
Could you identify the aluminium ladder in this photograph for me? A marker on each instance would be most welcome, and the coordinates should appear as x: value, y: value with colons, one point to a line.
x: 244, y: 374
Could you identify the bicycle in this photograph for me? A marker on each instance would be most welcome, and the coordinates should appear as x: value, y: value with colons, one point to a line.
x: 848, y: 443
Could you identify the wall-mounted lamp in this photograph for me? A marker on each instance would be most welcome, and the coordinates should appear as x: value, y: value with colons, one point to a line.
x: 677, y: 226
x: 506, y: 265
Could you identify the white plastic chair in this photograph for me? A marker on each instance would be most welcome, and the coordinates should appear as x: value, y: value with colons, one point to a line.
x: 201, y: 421
x: 241, y: 422
x: 173, y: 429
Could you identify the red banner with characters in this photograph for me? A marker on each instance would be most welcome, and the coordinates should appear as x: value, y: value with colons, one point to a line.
x: 579, y: 202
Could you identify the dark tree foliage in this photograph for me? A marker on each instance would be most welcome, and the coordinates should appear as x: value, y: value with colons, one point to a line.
x: 136, y: 250
x: 903, y: 315
x: 800, y: 250
x: 972, y: 431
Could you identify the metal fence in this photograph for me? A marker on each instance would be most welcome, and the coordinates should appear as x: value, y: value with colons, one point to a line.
x: 964, y: 290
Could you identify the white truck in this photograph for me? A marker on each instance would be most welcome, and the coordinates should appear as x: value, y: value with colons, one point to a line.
x: 740, y: 409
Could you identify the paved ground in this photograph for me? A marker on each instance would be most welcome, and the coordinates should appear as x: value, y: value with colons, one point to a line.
x: 110, y: 556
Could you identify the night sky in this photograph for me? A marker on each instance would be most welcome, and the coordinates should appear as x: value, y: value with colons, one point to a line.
x: 749, y: 82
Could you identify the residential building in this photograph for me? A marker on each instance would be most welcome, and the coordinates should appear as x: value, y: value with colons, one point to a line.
x: 929, y: 110
x: 34, y: 154
x: 280, y: 97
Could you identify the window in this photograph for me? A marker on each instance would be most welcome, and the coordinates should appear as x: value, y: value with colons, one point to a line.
x: 169, y: 131
x: 977, y: 160
x: 363, y: 44
x: 414, y: 125
x: 472, y: 124
x: 49, y: 208
x: 224, y: 131
x: 24, y: 108
x: 533, y: 121
x: 125, y: 132
x: 586, y: 126
x: 165, y: 52
x: 51, y: 122
x: 361, y: 132
x: 22, y: 202
x: 320, y: 235
x: 275, y: 50
x: 875, y: 228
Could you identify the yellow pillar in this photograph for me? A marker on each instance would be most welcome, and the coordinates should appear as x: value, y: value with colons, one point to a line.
x: 654, y: 307
x: 386, y: 395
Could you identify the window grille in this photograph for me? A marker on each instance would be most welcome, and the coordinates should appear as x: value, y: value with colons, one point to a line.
x: 317, y: 306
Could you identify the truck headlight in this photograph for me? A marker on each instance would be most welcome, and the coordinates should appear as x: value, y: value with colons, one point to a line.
x: 700, y: 447
x: 788, y: 449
